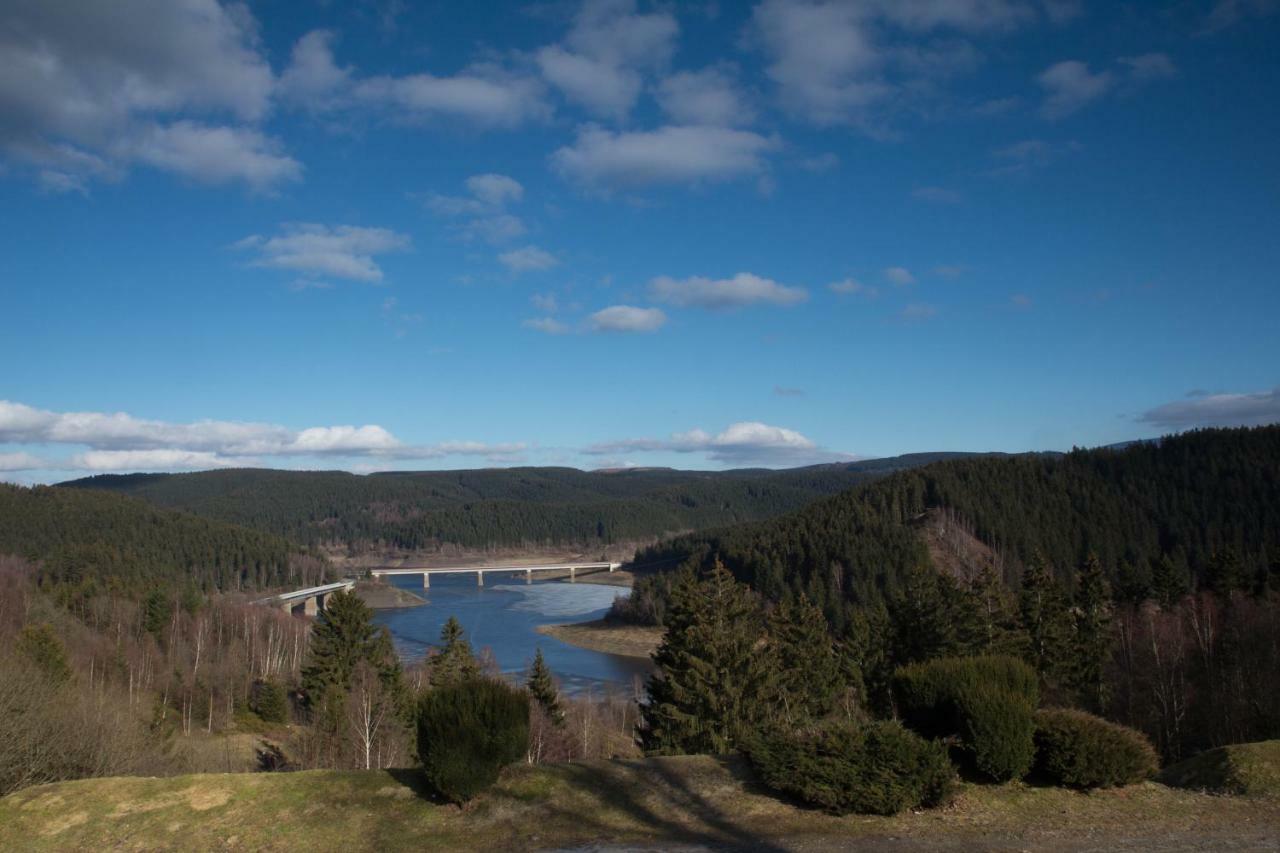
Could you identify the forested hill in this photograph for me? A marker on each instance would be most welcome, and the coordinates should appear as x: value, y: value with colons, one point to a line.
x: 494, y: 507
x: 1199, y: 508
x: 91, y: 542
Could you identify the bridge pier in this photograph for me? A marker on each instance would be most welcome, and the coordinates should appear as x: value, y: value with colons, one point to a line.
x: 426, y: 580
x: 479, y: 578
x: 573, y: 574
x: 528, y: 575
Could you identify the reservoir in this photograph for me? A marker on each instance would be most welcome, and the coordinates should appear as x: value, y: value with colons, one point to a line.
x: 503, y: 617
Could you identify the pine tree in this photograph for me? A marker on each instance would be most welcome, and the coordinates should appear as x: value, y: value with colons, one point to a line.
x: 542, y: 688
x: 808, y: 678
x: 1044, y: 616
x: 456, y: 662
x: 714, y: 678
x: 1091, y: 639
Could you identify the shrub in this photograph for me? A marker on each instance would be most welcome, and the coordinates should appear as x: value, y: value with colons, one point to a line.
x: 927, y: 694
x: 469, y: 731
x: 271, y: 702
x: 1083, y: 751
x: 997, y: 730
x: 844, y: 767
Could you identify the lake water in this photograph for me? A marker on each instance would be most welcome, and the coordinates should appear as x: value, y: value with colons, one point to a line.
x: 502, y: 617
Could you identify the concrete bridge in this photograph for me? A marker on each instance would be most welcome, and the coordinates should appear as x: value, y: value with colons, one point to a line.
x: 309, y: 601
x: 481, y: 571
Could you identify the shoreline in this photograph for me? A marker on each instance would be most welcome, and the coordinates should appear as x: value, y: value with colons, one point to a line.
x: 613, y: 638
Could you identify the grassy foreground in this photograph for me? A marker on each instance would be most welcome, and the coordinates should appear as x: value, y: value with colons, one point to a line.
x: 688, y: 799
x: 601, y: 635
x: 1246, y: 769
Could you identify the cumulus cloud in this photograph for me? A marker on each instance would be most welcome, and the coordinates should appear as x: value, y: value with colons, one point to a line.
x: 743, y: 443
x: 626, y: 318
x: 1070, y: 86
x: 483, y: 210
x: 669, y: 155
x: 844, y: 63
x: 740, y: 290
x: 710, y: 96
x: 851, y: 286
x: 117, y: 441
x: 899, y: 276
x: 546, y: 325
x: 1256, y: 409
x: 89, y: 89
x: 601, y: 62
x: 528, y: 258
x: 21, y: 462
x: 313, y: 78
x: 340, y: 251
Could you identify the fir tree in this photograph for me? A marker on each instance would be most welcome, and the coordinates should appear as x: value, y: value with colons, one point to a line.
x: 932, y: 617
x: 809, y: 678
x: 714, y: 679
x: 1044, y: 616
x: 456, y: 662
x: 155, y: 613
x: 542, y: 688
x: 1091, y: 639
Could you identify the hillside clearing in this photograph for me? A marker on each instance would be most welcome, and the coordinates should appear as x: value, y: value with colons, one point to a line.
x: 698, y: 800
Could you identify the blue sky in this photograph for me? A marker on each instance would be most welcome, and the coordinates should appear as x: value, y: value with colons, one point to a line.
x: 404, y: 235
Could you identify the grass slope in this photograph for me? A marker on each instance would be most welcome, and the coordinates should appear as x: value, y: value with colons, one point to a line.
x: 687, y: 799
x: 1250, y: 769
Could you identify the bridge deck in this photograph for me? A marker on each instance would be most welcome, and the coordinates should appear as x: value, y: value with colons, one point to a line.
x: 309, y: 592
x: 450, y: 570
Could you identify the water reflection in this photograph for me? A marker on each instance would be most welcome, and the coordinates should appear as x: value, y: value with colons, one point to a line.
x: 503, y: 616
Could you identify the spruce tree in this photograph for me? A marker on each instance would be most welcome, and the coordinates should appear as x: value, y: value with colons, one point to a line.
x: 456, y: 662
x: 542, y: 688
x: 808, y: 680
x: 1224, y: 574
x: 41, y: 646
x: 344, y: 635
x: 999, y: 632
x: 1044, y: 616
x: 1091, y: 639
x: 1168, y: 581
x: 713, y: 683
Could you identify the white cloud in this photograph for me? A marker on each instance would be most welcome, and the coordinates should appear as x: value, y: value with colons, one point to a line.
x: 601, y: 61
x: 312, y: 77
x: 528, y: 258
x: 736, y: 292
x: 820, y: 163
x: 118, y: 441
x: 710, y: 96
x: 851, y: 286
x: 899, y: 276
x: 21, y: 462
x: 1070, y: 86
x: 1256, y: 409
x: 341, y: 251
x: 672, y: 154
x: 215, y: 155
x: 486, y: 95
x: 546, y: 325
x: 746, y: 442
x: 1149, y: 67
x: 1021, y: 158
x: 87, y: 89
x: 937, y: 195
x: 484, y: 208
x: 918, y: 312
x: 545, y: 302
x: 626, y: 318
x: 495, y: 190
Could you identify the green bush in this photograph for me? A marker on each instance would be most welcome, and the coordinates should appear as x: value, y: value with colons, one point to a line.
x: 271, y: 702
x: 844, y: 767
x: 469, y: 731
x: 1083, y: 751
x: 997, y: 731
x: 927, y: 694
